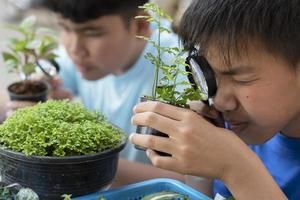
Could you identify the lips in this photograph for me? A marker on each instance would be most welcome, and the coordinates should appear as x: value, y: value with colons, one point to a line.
x: 84, y: 68
x: 237, y: 126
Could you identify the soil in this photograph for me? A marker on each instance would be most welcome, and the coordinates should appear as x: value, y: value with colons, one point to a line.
x: 28, y: 87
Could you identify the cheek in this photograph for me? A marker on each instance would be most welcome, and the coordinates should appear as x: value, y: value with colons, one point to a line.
x: 65, y: 39
x: 269, y: 106
x: 109, y: 51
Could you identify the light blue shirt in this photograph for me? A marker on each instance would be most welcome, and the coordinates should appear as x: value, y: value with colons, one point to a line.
x: 115, y: 96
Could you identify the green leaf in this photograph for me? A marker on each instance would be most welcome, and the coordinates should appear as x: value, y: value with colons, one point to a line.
x: 34, y: 44
x: 45, y: 30
x: 50, y: 56
x: 28, y: 23
x: 11, y: 64
x: 9, y: 56
x: 45, y: 48
x: 20, y: 46
x: 29, y: 68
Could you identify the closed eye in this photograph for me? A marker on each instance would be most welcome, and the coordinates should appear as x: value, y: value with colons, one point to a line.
x: 245, y: 82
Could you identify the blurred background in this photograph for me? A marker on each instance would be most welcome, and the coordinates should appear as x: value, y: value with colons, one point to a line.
x: 13, y: 11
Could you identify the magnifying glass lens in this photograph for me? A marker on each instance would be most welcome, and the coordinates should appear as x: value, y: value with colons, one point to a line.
x: 199, y: 77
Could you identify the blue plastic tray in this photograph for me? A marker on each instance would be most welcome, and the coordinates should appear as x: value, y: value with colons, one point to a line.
x: 139, y: 190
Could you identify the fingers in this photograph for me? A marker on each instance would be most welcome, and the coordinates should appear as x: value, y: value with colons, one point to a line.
x: 166, y: 110
x: 60, y: 93
x: 12, y: 106
x: 208, y: 112
x: 203, y: 109
x: 55, y: 81
x: 156, y: 121
x: 164, y: 162
x: 166, y: 145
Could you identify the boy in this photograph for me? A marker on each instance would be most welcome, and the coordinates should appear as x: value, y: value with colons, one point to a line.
x: 107, y: 68
x: 253, y: 48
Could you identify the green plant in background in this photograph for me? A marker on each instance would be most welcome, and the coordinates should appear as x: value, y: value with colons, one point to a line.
x: 11, y: 192
x: 33, y: 44
x: 168, y: 87
x: 67, y: 197
x: 58, y: 128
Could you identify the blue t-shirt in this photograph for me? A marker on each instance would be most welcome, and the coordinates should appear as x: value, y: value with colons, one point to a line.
x: 281, y: 156
x: 115, y: 96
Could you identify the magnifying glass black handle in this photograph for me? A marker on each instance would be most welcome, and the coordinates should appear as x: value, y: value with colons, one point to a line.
x: 53, y: 63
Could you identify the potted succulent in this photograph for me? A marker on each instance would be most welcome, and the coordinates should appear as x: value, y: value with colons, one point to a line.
x: 59, y: 147
x: 24, y: 56
x: 170, y: 83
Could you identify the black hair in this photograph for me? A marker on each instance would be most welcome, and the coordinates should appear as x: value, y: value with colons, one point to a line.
x: 233, y: 25
x: 80, y: 11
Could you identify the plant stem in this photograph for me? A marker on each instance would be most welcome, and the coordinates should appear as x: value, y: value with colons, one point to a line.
x: 159, y: 60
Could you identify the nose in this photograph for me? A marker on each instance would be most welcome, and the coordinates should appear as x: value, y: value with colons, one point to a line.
x: 225, y: 99
x: 76, y: 46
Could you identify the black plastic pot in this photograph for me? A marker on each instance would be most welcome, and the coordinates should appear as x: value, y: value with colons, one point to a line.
x: 51, y: 177
x: 39, y: 97
x: 149, y: 131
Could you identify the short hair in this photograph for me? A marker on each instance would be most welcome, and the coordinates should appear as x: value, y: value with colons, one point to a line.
x: 80, y: 11
x: 233, y: 25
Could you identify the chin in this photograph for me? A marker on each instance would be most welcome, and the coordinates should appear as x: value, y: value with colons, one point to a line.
x: 255, y: 136
x: 91, y: 76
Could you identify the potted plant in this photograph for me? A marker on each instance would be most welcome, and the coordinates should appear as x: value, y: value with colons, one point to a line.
x: 59, y: 147
x: 24, y: 55
x: 170, y: 83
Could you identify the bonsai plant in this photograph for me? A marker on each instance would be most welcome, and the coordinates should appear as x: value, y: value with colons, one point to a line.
x: 23, y: 56
x: 170, y: 83
x: 59, y: 147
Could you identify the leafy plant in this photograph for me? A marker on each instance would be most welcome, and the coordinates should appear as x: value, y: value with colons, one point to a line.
x: 166, y: 195
x: 67, y: 197
x: 58, y: 128
x: 33, y: 44
x: 16, y: 192
x: 169, y: 87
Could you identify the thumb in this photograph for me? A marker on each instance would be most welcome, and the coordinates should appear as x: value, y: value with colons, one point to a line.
x: 203, y: 109
x: 56, y: 82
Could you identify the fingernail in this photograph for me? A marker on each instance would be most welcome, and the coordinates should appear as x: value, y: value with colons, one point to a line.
x: 130, y: 137
x: 148, y: 152
x: 134, y: 108
x: 131, y: 120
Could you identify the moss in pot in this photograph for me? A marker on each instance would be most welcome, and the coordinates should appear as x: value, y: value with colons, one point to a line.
x: 59, y: 148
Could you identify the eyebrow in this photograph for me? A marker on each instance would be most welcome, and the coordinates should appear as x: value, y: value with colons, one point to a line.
x: 237, y: 70
x: 84, y: 28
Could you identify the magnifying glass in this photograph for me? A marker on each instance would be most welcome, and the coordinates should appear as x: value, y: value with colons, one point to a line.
x: 201, y: 75
x: 48, y: 67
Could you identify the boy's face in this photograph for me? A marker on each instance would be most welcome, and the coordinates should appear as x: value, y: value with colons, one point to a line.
x: 258, y: 94
x: 100, y: 47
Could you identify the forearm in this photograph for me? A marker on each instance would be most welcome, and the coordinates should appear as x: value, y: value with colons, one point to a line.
x: 249, y: 180
x: 201, y: 184
x: 132, y: 172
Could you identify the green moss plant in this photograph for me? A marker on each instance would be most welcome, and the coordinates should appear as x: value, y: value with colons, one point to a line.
x: 58, y: 128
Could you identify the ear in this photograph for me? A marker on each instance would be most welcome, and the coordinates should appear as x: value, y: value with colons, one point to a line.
x: 141, y: 26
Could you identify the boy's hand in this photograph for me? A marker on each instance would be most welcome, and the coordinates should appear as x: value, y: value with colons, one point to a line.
x: 56, y: 92
x: 197, y: 146
x: 208, y: 112
x: 202, y: 149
